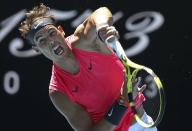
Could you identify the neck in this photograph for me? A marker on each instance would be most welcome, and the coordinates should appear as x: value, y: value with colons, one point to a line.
x: 68, y: 64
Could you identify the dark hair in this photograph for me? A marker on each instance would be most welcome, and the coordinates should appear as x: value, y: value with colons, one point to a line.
x: 33, y: 15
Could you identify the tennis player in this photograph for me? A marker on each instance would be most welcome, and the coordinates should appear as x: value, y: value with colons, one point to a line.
x: 87, y: 85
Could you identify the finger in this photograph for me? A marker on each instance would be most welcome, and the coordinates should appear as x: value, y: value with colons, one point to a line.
x: 142, y: 88
x: 138, y: 81
x: 110, y: 38
x: 110, y: 28
x: 111, y: 32
x: 104, y: 27
x: 102, y: 33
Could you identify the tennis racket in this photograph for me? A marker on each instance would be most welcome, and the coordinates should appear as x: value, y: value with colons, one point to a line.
x: 154, y: 104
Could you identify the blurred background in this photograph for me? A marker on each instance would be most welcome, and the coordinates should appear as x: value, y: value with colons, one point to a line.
x: 154, y: 33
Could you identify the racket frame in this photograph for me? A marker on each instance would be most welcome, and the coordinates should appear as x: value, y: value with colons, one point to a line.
x: 116, y: 46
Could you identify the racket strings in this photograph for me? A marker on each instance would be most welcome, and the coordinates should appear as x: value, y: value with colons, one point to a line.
x: 152, y: 103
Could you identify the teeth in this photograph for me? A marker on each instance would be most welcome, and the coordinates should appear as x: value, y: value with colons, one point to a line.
x: 60, y: 52
x: 55, y: 48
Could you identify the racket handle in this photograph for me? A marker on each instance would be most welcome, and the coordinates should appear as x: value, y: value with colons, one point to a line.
x: 115, y: 45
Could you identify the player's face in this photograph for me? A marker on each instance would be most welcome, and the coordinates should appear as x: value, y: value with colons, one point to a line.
x: 51, y: 42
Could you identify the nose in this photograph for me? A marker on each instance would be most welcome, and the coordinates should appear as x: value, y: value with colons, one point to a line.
x: 51, y: 40
x: 51, y: 43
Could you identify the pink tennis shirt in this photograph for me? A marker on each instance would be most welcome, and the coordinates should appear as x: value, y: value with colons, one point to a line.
x: 96, y: 86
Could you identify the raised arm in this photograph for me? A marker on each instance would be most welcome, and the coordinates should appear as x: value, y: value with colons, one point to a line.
x: 101, y: 16
x: 88, y: 29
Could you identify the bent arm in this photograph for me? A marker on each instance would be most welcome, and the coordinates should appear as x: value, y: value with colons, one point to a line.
x: 101, y: 16
x: 76, y: 115
x: 87, y: 30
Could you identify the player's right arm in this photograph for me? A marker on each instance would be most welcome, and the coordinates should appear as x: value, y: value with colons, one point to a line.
x: 76, y: 115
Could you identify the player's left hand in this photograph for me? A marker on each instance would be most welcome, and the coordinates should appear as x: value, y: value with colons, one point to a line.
x: 136, y: 90
x: 135, y: 84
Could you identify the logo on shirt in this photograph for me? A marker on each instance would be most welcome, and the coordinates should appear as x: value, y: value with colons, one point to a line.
x: 75, y: 90
x: 90, y: 67
x: 110, y: 113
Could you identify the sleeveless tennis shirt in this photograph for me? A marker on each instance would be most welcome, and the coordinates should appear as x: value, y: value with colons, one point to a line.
x: 96, y: 86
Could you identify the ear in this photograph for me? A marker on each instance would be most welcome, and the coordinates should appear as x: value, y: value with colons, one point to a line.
x: 61, y: 29
x: 36, y: 49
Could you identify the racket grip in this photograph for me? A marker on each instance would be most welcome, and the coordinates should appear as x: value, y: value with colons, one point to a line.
x: 115, y: 45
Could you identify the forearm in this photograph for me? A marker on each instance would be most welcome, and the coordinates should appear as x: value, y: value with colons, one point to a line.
x: 114, y: 115
x: 109, y: 121
x: 101, y: 16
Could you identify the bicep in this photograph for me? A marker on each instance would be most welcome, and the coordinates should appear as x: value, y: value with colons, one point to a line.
x: 74, y: 113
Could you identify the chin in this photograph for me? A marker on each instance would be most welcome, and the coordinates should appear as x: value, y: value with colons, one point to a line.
x: 59, y: 57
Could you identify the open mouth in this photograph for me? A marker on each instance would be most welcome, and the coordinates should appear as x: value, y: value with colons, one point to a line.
x: 58, y: 50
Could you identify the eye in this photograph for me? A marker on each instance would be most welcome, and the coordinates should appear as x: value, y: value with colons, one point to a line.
x: 42, y: 41
x: 52, y: 32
